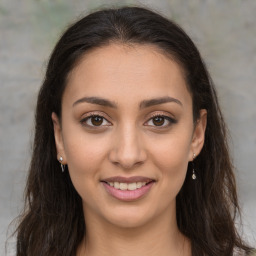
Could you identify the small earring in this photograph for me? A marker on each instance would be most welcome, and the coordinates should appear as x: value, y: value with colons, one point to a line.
x: 62, y: 165
x: 193, y: 165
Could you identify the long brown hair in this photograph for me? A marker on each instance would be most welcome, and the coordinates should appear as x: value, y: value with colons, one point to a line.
x: 52, y: 222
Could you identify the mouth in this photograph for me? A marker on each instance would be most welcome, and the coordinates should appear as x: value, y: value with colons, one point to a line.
x: 128, y: 189
x: 128, y: 186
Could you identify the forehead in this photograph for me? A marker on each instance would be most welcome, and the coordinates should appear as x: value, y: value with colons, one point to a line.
x: 117, y: 71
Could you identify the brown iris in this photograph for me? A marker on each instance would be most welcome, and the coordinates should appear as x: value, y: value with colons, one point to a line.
x: 158, y: 120
x: 97, y: 120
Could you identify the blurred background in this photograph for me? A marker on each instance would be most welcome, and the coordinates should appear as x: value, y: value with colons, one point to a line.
x: 224, y: 31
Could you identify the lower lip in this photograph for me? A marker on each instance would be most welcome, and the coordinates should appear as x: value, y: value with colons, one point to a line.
x: 128, y: 195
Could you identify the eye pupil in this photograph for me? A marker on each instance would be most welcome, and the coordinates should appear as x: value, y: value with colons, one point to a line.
x: 97, y: 120
x: 158, y: 120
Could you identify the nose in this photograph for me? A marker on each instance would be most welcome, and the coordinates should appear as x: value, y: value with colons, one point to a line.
x: 127, y: 150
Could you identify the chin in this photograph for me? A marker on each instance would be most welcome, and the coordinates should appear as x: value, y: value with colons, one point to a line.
x: 128, y: 218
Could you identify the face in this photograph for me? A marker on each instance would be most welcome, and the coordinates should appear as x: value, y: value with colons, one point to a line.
x: 127, y: 133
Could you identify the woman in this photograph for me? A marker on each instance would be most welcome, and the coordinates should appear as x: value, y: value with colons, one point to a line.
x: 130, y: 152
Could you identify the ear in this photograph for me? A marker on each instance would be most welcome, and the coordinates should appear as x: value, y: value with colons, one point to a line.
x: 58, y: 138
x: 197, y: 142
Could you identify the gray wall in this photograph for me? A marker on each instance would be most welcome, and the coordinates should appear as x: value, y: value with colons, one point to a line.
x: 224, y: 31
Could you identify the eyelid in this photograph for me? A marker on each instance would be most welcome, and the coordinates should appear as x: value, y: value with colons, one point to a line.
x: 163, y: 114
x: 92, y: 114
x: 160, y: 113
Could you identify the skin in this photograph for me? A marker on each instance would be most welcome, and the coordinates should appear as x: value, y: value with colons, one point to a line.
x: 129, y: 142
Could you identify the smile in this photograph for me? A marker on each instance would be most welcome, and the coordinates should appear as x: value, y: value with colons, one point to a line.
x: 128, y: 189
x: 127, y: 186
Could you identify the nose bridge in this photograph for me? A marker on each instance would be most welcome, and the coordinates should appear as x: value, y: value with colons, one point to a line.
x: 129, y: 140
x: 127, y: 149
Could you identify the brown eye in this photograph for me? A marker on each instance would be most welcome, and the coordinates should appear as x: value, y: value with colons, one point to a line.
x: 96, y: 120
x: 161, y: 121
x: 158, y: 120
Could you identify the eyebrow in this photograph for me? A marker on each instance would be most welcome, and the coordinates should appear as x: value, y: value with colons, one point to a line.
x: 143, y: 104
x: 158, y: 101
x: 96, y: 100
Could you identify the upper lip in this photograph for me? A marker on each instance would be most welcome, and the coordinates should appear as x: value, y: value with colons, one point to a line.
x: 132, y: 179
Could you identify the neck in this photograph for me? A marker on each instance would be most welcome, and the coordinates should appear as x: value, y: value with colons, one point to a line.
x: 157, y: 237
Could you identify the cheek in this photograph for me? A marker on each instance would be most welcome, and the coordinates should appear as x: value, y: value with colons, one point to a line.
x: 171, y: 158
x: 172, y: 150
x: 85, y: 154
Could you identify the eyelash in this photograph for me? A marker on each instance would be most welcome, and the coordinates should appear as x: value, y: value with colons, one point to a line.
x: 169, y: 119
x: 90, y: 116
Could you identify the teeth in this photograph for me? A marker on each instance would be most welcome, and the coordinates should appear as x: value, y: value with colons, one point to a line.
x: 139, y: 184
x: 127, y: 186
x: 116, y: 185
x: 123, y: 186
x: 132, y: 186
